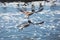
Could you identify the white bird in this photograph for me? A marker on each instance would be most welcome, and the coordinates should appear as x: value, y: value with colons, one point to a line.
x: 26, y: 24
x: 27, y: 13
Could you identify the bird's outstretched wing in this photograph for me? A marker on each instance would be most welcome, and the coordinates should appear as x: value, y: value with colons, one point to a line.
x: 29, y: 21
x: 39, y: 23
x: 39, y: 10
x: 21, y: 26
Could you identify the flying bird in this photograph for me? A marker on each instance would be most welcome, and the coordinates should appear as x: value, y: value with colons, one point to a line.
x: 26, y: 24
x: 27, y: 13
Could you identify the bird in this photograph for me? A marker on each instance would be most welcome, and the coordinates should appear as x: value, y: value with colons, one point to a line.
x: 26, y: 24
x: 27, y: 13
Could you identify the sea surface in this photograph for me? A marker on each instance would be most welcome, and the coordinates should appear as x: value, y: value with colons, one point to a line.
x: 11, y: 16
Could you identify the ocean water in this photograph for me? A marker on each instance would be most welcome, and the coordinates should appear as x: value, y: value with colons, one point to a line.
x: 10, y: 17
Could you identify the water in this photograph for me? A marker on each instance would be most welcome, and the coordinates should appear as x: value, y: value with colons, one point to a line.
x: 10, y: 18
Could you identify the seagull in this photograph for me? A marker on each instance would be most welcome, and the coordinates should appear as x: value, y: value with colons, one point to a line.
x: 26, y: 24
x: 27, y: 13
